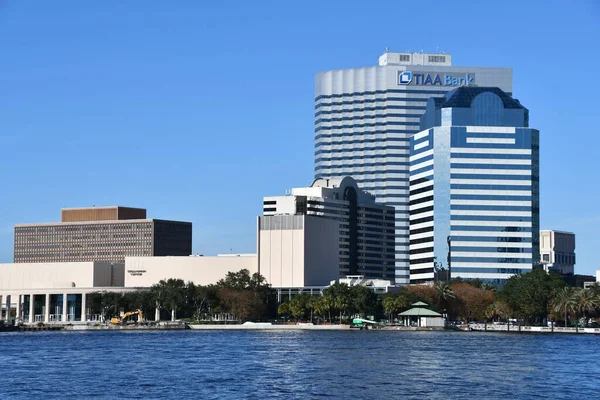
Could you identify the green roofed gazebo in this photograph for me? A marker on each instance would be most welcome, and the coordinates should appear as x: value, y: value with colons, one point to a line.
x: 421, y: 316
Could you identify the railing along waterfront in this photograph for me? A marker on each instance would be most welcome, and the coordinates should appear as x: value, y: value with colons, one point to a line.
x: 531, y: 329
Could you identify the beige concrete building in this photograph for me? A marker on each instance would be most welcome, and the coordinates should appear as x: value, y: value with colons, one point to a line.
x: 298, y: 250
x: 557, y: 251
x: 101, y: 234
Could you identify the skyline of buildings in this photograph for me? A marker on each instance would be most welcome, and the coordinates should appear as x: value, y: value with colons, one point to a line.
x: 364, y: 118
x: 403, y: 84
x: 474, y: 188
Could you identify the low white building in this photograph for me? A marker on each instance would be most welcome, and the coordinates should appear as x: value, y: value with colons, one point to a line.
x: 54, y: 292
x: 557, y: 251
x: 146, y: 271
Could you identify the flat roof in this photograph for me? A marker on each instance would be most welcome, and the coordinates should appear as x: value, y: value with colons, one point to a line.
x: 557, y: 231
x: 101, y: 208
x: 111, y: 221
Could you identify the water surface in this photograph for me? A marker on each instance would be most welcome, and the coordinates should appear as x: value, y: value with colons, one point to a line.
x: 298, y: 365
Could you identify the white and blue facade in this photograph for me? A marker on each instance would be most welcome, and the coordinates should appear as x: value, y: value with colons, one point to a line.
x: 365, y: 117
x: 474, y: 188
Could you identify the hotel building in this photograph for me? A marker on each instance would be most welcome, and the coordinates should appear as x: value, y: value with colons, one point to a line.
x: 474, y: 188
x: 366, y: 227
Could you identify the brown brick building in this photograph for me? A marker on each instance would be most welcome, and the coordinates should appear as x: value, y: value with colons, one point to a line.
x: 101, y: 234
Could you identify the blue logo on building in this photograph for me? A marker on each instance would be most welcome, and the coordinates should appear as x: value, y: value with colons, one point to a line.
x: 433, y: 79
x: 404, y: 78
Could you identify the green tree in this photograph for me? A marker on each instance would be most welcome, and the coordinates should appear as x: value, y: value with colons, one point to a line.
x: 299, y: 306
x: 255, y: 283
x: 340, y: 294
x: 364, y: 300
x: 564, y: 301
x: 244, y: 304
x: 325, y: 305
x: 202, y: 300
x: 313, y: 305
x: 284, y: 309
x: 489, y: 287
x: 585, y: 301
x: 528, y: 295
x: 445, y: 294
x: 111, y: 304
x: 498, y: 310
x: 169, y: 294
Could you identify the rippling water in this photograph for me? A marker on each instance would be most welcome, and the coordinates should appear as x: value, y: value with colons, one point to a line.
x: 298, y: 365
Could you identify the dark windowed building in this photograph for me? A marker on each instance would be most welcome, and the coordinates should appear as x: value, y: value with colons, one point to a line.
x: 366, y: 228
x: 101, y: 234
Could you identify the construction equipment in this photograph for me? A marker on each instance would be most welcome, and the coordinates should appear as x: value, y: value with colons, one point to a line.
x: 125, y: 316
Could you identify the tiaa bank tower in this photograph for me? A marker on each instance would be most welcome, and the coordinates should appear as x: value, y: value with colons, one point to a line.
x: 365, y: 117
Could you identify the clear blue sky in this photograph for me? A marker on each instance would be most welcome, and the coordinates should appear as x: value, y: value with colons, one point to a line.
x: 196, y: 110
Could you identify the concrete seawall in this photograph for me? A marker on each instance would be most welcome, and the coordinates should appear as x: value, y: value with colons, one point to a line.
x: 267, y: 326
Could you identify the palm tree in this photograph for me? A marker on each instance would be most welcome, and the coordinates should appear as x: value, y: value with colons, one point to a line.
x: 389, y: 307
x: 497, y: 309
x: 585, y: 300
x: 564, y: 301
x: 326, y: 304
x: 489, y: 287
x: 445, y: 294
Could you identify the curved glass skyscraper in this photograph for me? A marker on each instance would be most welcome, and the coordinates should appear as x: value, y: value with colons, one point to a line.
x: 364, y: 118
x: 474, y: 188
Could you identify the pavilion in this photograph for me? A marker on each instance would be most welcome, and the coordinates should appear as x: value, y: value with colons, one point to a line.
x: 421, y: 316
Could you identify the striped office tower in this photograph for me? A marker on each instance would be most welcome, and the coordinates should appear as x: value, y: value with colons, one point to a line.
x: 364, y: 118
x: 474, y: 188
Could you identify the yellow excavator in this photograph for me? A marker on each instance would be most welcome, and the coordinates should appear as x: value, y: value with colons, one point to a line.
x: 124, y: 317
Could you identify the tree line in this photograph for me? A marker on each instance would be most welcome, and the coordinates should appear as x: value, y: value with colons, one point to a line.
x: 338, y: 302
x: 239, y: 296
x: 532, y: 298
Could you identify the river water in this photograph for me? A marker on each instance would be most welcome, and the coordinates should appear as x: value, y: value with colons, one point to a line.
x: 298, y: 365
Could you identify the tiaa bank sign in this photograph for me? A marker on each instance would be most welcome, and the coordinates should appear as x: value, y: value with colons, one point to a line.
x: 435, y: 79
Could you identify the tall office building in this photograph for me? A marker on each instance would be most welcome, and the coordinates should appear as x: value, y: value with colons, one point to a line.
x: 366, y: 227
x: 101, y: 234
x: 364, y: 118
x: 474, y: 188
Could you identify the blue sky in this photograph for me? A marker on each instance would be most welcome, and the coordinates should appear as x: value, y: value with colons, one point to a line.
x: 196, y: 110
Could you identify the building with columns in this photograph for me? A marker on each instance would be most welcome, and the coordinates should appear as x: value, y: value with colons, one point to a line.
x: 55, y: 292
